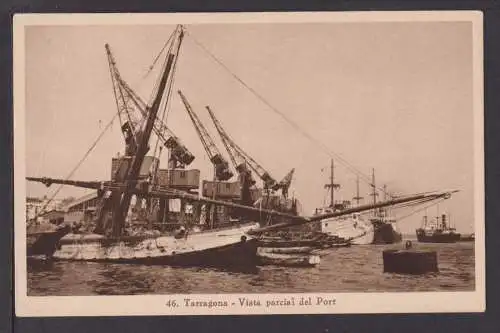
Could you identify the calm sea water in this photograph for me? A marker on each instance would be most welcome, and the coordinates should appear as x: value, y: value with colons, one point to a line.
x: 354, y: 269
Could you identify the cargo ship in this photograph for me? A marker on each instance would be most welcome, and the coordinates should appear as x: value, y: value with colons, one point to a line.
x: 437, y: 231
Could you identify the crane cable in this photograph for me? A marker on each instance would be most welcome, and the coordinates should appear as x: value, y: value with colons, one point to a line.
x: 282, y: 115
x: 80, y: 162
x: 421, y: 209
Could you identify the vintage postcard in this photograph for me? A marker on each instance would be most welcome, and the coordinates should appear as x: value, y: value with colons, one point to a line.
x: 248, y: 163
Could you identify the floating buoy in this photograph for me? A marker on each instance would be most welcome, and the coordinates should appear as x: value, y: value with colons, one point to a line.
x: 409, y: 261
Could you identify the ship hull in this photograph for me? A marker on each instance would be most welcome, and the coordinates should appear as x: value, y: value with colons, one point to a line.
x: 384, y: 233
x: 44, y: 243
x: 437, y: 237
x: 219, y: 247
x: 357, y: 232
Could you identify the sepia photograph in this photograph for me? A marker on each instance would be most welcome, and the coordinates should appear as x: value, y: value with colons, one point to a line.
x: 248, y: 163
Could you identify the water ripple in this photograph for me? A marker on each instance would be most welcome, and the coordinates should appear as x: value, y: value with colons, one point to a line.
x: 355, y: 269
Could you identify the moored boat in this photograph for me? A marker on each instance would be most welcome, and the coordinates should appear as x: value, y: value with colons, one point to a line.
x: 286, y: 250
x: 302, y: 239
x: 222, y: 246
x: 43, y: 238
x: 290, y: 260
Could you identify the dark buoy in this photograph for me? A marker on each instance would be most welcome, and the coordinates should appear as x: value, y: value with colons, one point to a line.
x: 409, y: 261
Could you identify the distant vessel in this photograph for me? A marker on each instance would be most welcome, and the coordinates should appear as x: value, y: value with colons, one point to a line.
x: 468, y: 238
x: 437, y: 231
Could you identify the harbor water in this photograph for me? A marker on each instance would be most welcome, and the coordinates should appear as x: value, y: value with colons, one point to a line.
x: 353, y: 269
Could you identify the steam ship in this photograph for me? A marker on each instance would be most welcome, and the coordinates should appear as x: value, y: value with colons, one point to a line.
x: 437, y: 230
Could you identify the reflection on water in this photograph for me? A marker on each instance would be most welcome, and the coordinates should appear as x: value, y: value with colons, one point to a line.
x: 354, y: 269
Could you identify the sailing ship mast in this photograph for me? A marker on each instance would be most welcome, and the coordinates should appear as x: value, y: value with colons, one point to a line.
x: 332, y: 186
x: 358, y: 198
x: 374, y: 193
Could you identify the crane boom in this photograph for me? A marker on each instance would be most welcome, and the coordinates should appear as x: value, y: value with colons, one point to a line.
x: 285, y: 183
x: 125, y: 94
x: 232, y: 152
x: 222, y: 171
x: 235, y: 150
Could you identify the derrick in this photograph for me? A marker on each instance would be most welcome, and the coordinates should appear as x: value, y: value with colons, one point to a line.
x: 242, y: 160
x: 114, y: 205
x: 221, y: 166
x: 128, y: 101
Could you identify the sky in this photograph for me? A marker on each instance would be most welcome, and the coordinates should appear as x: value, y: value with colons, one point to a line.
x: 393, y: 96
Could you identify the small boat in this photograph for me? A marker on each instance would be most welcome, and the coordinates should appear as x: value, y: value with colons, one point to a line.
x: 284, y: 243
x: 336, y: 243
x: 314, y: 240
x: 437, y: 231
x: 286, y: 250
x: 291, y: 260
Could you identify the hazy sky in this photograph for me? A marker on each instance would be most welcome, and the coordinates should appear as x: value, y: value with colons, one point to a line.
x: 393, y: 96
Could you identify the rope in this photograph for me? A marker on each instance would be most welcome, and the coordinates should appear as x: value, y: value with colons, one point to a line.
x: 421, y: 209
x: 322, y: 146
x: 155, y: 60
x: 79, y: 163
x: 167, y: 102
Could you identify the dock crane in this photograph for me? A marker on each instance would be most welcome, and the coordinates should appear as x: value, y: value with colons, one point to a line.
x: 222, y: 171
x: 126, y: 101
x: 241, y: 159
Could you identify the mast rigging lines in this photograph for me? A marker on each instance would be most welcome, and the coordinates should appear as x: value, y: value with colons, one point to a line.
x: 293, y: 124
